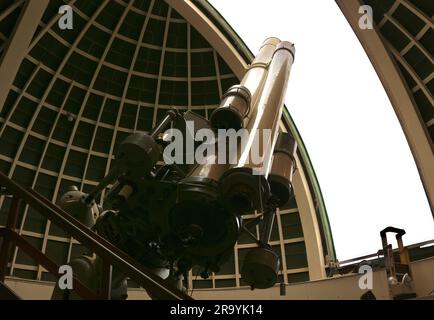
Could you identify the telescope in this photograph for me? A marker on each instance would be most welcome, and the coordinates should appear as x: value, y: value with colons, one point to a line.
x: 172, y: 210
x: 244, y: 186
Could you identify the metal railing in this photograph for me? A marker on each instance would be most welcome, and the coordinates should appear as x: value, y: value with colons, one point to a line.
x: 380, y: 253
x: 110, y: 254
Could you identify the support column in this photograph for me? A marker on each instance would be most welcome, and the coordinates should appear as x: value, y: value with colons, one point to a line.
x: 19, y: 41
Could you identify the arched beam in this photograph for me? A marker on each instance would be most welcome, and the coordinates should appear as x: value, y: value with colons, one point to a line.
x: 16, y: 50
x: 399, y: 95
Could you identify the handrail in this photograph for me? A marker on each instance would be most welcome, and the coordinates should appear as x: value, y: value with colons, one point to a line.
x: 107, y: 251
x: 44, y: 261
x: 375, y: 255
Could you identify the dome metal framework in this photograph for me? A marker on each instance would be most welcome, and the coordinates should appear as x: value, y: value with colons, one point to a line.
x: 408, y: 28
x: 79, y: 92
x: 401, y: 48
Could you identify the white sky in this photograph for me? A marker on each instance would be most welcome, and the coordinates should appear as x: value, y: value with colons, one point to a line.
x: 362, y: 160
